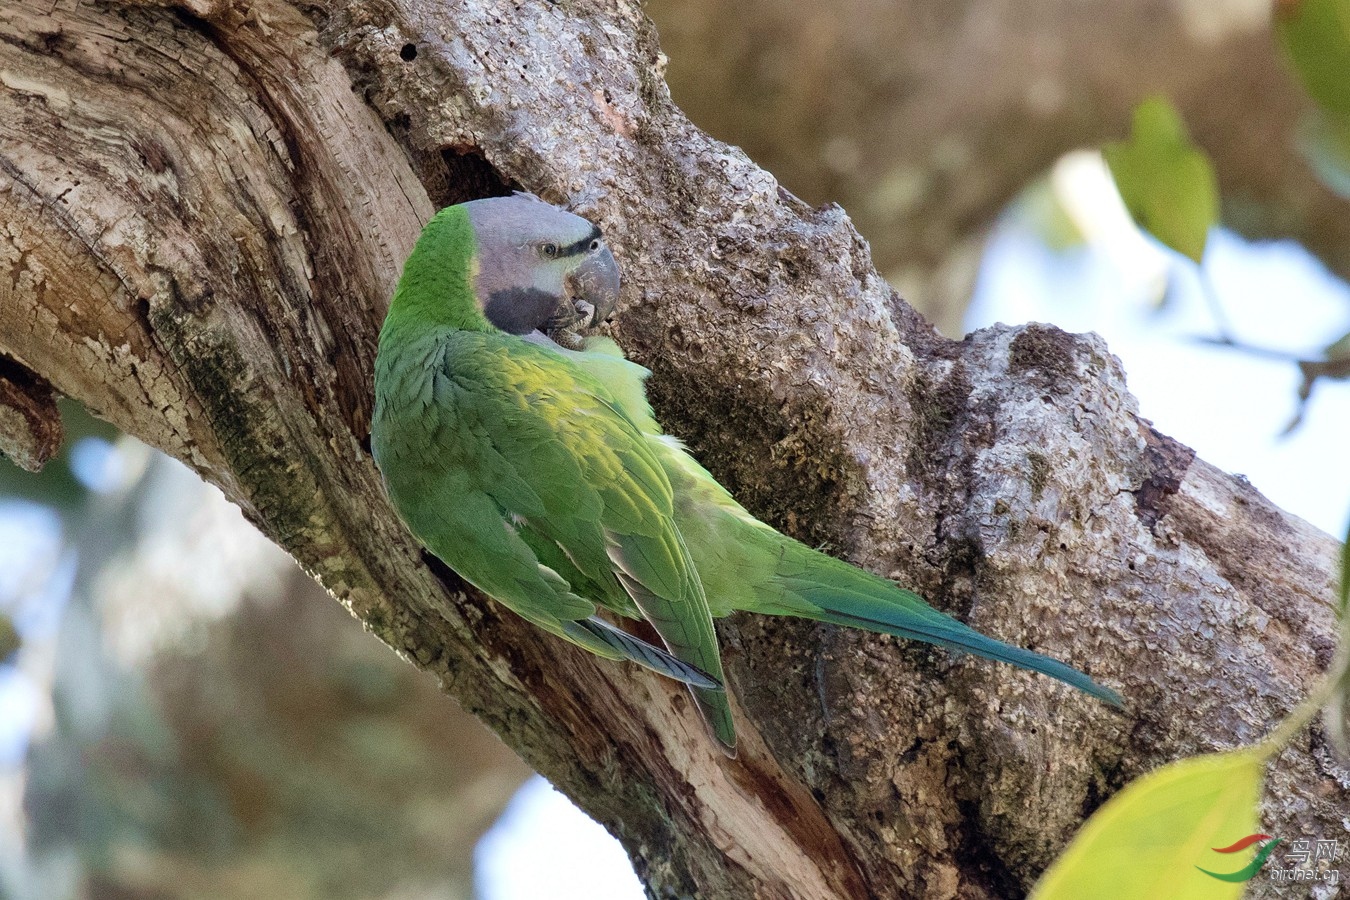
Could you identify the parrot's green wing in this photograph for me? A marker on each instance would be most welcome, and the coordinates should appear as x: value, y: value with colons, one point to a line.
x: 464, y: 526
x: 528, y: 452
x: 745, y: 564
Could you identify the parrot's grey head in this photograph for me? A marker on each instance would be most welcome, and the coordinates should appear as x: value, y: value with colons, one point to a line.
x: 541, y: 268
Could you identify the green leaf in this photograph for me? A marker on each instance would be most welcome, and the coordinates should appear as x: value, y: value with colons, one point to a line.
x: 1315, y: 35
x: 1166, y: 182
x: 1336, y: 351
x: 1345, y: 580
x: 1336, y: 716
x: 1324, y: 140
x: 1149, y: 840
x: 9, y: 637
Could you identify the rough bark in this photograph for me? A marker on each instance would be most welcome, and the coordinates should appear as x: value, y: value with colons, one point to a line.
x: 205, y: 208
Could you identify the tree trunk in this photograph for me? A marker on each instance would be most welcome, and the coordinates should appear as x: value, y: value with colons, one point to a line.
x: 205, y: 210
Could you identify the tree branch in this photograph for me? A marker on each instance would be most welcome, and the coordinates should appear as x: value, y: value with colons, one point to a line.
x: 206, y: 209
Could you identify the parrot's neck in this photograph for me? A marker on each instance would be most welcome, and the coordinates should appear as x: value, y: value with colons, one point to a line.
x: 437, y: 283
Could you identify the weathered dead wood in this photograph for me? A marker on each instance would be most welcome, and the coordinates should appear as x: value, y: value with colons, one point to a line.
x: 205, y: 207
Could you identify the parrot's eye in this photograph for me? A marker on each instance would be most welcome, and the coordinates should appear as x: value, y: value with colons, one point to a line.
x: 549, y: 250
x: 595, y: 244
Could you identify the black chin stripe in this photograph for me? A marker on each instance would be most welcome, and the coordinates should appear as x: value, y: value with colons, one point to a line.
x: 520, y: 310
x: 580, y: 246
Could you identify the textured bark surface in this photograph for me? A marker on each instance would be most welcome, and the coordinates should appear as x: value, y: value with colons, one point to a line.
x: 205, y: 207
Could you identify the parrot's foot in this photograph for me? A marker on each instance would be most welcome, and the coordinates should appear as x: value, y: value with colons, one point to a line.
x: 568, y: 326
x: 587, y: 313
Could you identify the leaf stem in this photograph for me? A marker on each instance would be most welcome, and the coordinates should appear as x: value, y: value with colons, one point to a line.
x: 1306, y: 711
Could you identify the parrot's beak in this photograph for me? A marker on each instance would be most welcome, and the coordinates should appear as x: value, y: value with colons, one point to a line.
x: 593, y: 288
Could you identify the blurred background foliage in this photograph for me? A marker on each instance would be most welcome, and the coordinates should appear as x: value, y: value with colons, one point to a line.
x: 184, y: 714
x: 189, y: 715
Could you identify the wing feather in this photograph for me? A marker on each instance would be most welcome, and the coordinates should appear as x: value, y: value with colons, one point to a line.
x: 551, y: 460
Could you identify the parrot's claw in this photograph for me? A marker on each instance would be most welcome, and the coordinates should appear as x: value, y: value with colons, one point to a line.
x: 587, y: 313
x: 569, y: 340
x: 569, y: 325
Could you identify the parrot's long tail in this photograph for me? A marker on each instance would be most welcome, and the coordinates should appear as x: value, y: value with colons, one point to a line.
x: 828, y: 590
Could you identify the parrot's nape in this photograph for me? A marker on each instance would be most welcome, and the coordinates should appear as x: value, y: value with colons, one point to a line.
x: 525, y: 456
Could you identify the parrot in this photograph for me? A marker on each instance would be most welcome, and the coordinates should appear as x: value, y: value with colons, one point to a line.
x: 520, y: 449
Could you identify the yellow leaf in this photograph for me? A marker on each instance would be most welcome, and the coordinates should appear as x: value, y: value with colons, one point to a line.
x: 1147, y: 841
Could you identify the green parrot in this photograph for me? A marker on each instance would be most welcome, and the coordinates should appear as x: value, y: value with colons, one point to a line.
x: 526, y: 457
